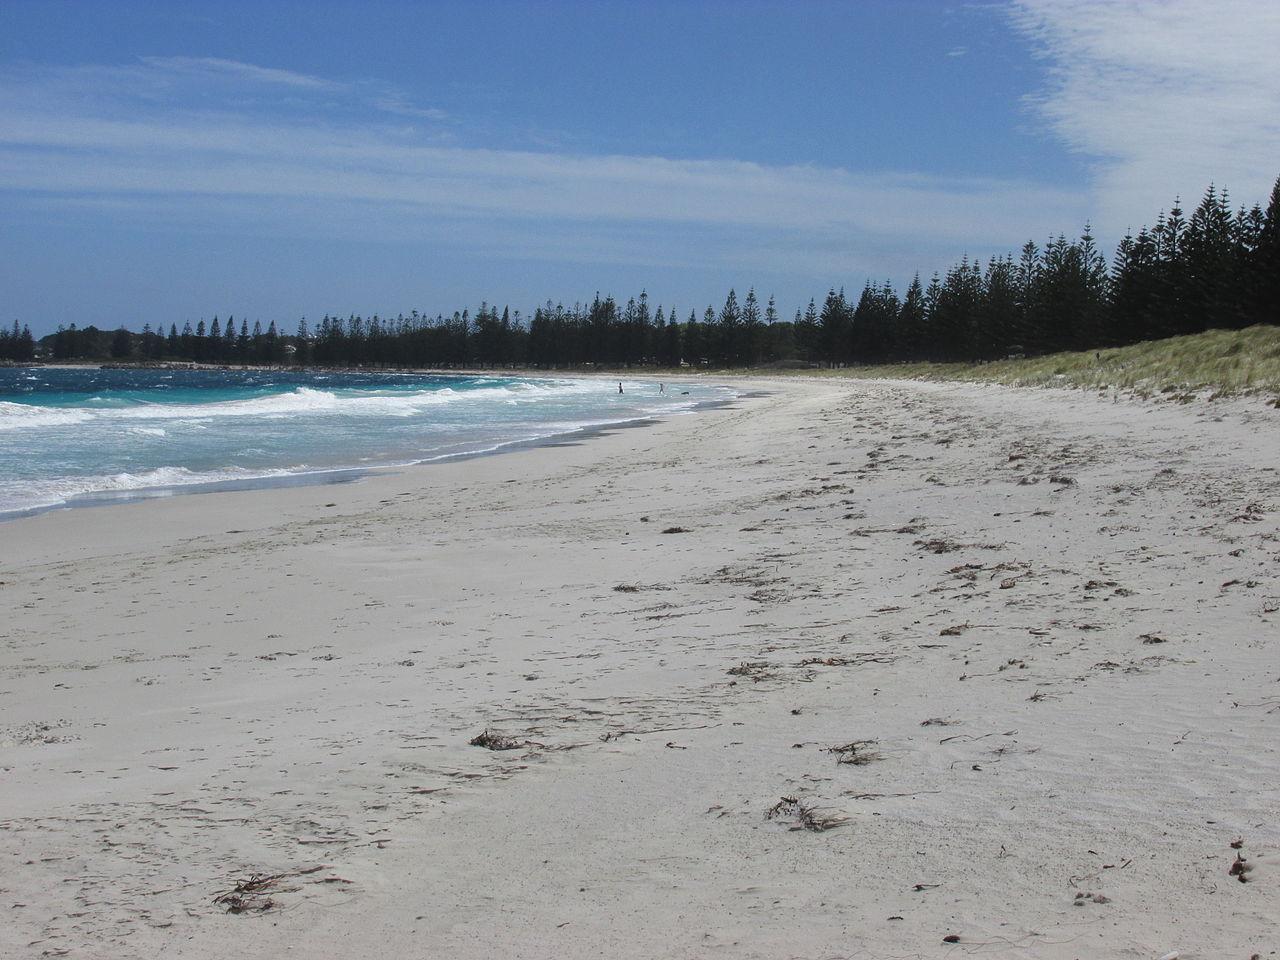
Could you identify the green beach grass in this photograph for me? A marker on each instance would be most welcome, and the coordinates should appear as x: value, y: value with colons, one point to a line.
x: 1217, y: 363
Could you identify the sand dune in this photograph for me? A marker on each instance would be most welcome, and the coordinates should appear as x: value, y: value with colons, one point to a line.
x: 844, y: 670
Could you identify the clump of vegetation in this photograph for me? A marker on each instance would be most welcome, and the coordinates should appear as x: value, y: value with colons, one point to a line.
x: 1217, y: 363
x: 806, y: 815
x: 496, y: 741
x: 756, y: 669
x: 250, y: 895
x: 855, y: 753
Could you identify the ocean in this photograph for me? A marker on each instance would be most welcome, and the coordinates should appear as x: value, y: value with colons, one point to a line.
x: 80, y: 435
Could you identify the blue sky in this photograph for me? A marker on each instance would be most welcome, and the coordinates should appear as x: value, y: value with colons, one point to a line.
x: 169, y: 161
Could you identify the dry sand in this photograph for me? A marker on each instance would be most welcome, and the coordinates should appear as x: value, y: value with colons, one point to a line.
x: 1015, y: 651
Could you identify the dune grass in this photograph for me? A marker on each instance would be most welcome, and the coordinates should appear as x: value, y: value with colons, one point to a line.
x: 1217, y: 363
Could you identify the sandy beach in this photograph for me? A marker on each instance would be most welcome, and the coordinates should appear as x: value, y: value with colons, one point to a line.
x: 843, y: 669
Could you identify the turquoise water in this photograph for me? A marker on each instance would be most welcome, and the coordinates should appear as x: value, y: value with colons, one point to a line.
x: 77, y: 435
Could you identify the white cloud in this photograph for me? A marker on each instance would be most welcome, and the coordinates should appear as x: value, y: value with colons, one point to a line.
x: 1167, y: 96
x: 219, y: 155
x: 138, y: 142
x: 236, y: 69
x: 397, y: 105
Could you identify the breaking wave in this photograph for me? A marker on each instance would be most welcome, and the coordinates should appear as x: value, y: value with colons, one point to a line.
x: 302, y: 401
x: 70, y: 436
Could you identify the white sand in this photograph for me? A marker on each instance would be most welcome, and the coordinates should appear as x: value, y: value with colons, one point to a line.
x: 196, y: 690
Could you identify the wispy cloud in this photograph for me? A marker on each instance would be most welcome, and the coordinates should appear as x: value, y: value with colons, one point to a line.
x: 216, y: 155
x: 244, y: 71
x: 400, y: 107
x: 214, y: 145
x: 138, y: 143
x: 1167, y: 96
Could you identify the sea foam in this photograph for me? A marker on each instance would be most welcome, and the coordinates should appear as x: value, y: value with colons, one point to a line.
x: 66, y: 435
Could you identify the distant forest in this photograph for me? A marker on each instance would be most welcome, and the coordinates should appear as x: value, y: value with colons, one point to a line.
x: 1217, y: 269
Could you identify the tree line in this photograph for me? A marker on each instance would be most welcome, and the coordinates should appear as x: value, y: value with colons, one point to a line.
x: 1218, y: 268
x: 17, y: 345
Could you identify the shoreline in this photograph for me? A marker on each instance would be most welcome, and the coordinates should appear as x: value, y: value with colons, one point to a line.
x: 353, y: 473
x: 846, y: 667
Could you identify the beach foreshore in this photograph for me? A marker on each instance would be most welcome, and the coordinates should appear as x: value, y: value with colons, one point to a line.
x: 842, y: 669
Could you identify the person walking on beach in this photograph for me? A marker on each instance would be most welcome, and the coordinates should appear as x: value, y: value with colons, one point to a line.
x: 619, y: 386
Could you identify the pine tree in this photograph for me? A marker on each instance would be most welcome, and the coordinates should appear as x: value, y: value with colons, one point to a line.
x: 1030, y: 337
x: 11, y: 344
x: 1091, y: 329
x: 809, y: 334
x: 1247, y: 231
x: 1001, y: 325
x: 271, y: 344
x: 1171, y: 315
x: 1266, y: 264
x: 692, y: 347
x: 302, y: 344
x: 670, y: 349
x: 780, y: 338
x: 957, y: 311
x: 752, y: 330
x: 121, y: 344
x: 228, y: 349
x: 861, y: 327
x: 835, y: 325
x: 910, y: 335
x: 504, y: 336
x: 1134, y: 277
x: 639, y: 341
x: 1208, y: 248
x: 931, y: 349
x: 729, y: 332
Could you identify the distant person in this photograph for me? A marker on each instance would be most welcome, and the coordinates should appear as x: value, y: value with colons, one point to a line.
x: 662, y: 388
x: 619, y: 386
